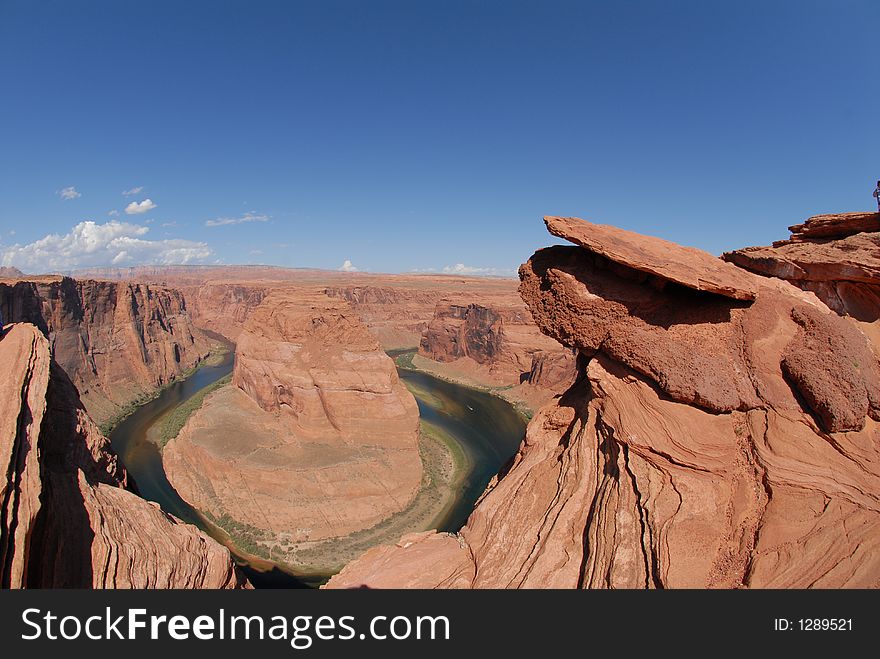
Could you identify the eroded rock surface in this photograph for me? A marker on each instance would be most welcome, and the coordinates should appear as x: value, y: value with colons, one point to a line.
x: 835, y: 256
x: 118, y: 341
x: 721, y: 434
x: 492, y: 341
x: 67, y: 518
x: 316, y: 439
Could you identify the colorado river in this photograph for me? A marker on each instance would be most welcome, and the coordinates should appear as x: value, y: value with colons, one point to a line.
x: 487, y: 429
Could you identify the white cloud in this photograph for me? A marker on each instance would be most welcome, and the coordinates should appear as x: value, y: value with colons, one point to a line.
x: 347, y: 266
x: 128, y: 193
x: 247, y: 217
x: 113, y: 213
x: 69, y: 193
x: 139, y: 207
x: 462, y: 269
x: 89, y: 244
x: 173, y: 223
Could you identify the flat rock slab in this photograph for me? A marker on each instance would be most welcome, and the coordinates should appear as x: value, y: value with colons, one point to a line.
x: 836, y: 225
x: 687, y: 266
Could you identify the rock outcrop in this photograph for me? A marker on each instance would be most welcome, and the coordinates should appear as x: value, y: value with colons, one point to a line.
x: 7, y: 272
x: 67, y: 518
x: 835, y: 256
x: 315, y: 440
x: 553, y: 369
x: 837, y: 225
x: 723, y: 432
x: 396, y: 315
x: 224, y: 307
x: 492, y: 341
x: 117, y: 341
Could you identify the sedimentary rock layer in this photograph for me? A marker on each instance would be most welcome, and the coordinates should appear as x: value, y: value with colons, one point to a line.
x: 492, y: 341
x: 315, y: 439
x: 67, y: 519
x: 116, y: 341
x: 721, y: 436
x: 835, y: 256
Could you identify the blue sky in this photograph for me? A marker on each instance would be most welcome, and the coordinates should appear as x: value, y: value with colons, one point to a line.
x: 421, y: 135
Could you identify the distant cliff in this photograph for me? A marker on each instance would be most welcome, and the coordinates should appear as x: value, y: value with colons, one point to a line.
x: 67, y: 518
x: 396, y: 315
x: 492, y: 341
x: 118, y: 341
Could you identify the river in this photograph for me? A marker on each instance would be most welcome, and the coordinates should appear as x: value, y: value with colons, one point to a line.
x: 486, y: 427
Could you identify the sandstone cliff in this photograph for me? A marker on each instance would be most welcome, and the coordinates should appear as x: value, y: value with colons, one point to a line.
x: 492, y: 341
x: 117, y: 341
x: 315, y: 440
x: 723, y: 432
x: 835, y: 256
x: 67, y: 519
x: 224, y: 307
x: 396, y: 315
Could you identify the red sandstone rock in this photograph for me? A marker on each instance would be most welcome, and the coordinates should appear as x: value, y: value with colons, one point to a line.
x: 554, y: 369
x: 67, y: 519
x: 837, y: 225
x: 687, y: 266
x: 117, y: 341
x: 491, y: 340
x: 712, y: 442
x: 844, y: 272
x: 316, y: 439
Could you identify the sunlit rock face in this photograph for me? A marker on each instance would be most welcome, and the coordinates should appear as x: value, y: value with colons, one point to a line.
x: 722, y: 432
x: 315, y: 439
x: 118, y: 341
x: 68, y: 518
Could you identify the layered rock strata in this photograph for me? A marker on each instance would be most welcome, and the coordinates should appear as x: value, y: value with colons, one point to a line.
x: 723, y: 432
x: 118, y: 341
x: 492, y: 341
x: 315, y: 439
x: 67, y: 518
x: 835, y: 256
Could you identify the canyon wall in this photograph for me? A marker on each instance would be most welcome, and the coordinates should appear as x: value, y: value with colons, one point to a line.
x: 724, y: 431
x: 396, y: 315
x: 835, y: 256
x: 224, y: 307
x: 492, y: 341
x: 118, y: 341
x: 67, y: 517
x: 315, y: 440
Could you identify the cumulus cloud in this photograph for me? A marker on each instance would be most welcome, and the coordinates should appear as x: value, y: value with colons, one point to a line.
x: 69, y: 193
x: 462, y: 269
x: 247, y: 217
x: 128, y: 193
x: 113, y: 213
x: 140, y: 207
x: 89, y: 244
x: 348, y: 266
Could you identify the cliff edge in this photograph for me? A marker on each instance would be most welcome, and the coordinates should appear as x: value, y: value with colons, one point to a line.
x: 722, y: 433
x: 67, y: 519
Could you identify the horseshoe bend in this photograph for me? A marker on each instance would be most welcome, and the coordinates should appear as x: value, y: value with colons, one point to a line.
x: 693, y: 421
